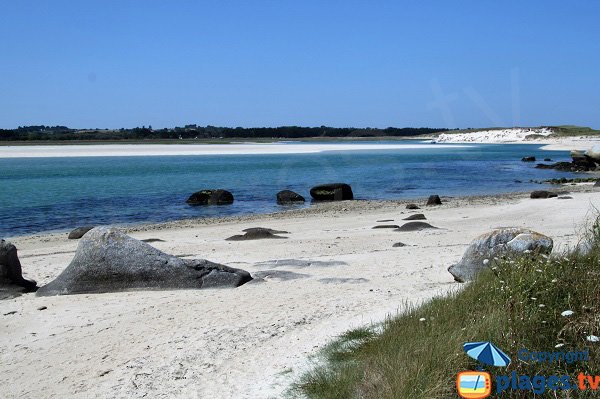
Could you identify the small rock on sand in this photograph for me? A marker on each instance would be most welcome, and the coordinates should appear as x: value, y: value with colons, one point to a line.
x: 412, y: 206
x: 77, y: 233
x: 255, y: 234
x: 415, y: 226
x: 416, y: 216
x: 386, y: 226
x: 399, y: 245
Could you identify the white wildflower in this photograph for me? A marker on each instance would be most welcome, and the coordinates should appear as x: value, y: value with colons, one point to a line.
x: 541, y: 305
x: 554, y: 280
x: 533, y: 298
x: 559, y: 345
x: 486, y: 261
x: 567, y: 313
x: 539, y: 270
x: 592, y: 338
x: 422, y: 319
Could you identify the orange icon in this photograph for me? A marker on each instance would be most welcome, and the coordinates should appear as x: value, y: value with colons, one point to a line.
x: 474, y: 384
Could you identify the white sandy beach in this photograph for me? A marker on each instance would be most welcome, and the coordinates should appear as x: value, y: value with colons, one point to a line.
x: 127, y: 150
x: 252, y: 341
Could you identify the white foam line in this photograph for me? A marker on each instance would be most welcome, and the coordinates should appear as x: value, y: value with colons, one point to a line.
x: 127, y: 150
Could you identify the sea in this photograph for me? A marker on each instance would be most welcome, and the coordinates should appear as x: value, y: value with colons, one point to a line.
x: 58, y: 194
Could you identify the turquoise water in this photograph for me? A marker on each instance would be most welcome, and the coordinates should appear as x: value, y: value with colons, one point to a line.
x: 44, y: 194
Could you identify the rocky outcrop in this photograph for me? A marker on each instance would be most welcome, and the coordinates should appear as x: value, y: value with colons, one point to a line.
x: 542, y: 194
x: 210, y: 197
x: 497, y: 243
x: 528, y: 159
x: 108, y: 260
x: 287, y: 197
x: 12, y: 282
x: 77, y: 233
x: 332, y: 192
x: 581, y: 162
x: 434, y: 200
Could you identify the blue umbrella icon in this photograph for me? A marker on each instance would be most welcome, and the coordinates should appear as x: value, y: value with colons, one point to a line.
x: 487, y: 353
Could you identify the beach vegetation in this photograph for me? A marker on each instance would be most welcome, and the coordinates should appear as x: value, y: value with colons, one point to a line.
x: 538, y: 304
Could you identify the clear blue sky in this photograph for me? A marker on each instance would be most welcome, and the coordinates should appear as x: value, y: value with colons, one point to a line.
x: 112, y: 64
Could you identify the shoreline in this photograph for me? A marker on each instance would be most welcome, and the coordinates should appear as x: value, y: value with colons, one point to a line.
x: 45, y: 150
x: 325, y: 208
x: 332, y: 273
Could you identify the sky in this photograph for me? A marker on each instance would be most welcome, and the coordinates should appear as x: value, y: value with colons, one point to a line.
x: 113, y: 64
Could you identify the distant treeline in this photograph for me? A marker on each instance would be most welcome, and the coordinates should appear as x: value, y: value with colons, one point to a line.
x: 29, y: 133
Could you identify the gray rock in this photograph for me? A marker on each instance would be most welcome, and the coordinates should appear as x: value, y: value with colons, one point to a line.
x: 499, y: 242
x: 210, y: 197
x: 415, y: 226
x: 434, y: 200
x: 289, y: 197
x: 12, y: 282
x: 332, y: 192
x: 385, y: 220
x: 542, y: 194
x: 416, y: 216
x: 528, y: 159
x: 597, y: 184
x: 77, y: 233
x: 108, y: 260
x: 386, y: 226
x: 412, y: 206
x: 255, y: 233
x: 399, y: 245
x: 152, y: 240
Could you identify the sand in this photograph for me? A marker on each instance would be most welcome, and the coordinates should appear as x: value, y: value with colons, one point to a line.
x: 117, y: 150
x: 255, y: 340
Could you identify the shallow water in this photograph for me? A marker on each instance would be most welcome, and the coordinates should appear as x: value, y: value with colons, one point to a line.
x: 43, y: 194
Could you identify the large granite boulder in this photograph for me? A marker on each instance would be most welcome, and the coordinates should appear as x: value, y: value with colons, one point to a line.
x: 108, y: 260
x: 594, y: 153
x: 289, y: 197
x: 77, y: 233
x: 499, y: 242
x: 332, y: 192
x: 12, y: 282
x: 210, y: 197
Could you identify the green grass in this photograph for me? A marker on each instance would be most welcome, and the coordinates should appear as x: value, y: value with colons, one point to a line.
x: 517, y: 304
x: 570, y: 130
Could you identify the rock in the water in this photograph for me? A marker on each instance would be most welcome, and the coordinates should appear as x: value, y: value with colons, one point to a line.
x: 108, y: 260
x: 542, y: 194
x: 412, y: 206
x: 499, y: 242
x: 547, y: 159
x: 210, y: 197
x: 434, y: 200
x: 415, y: 226
x: 288, y: 197
x: 386, y: 226
x: 12, y: 282
x: 255, y: 233
x: 416, y: 216
x: 332, y: 192
x: 398, y: 245
x: 77, y: 233
x: 528, y: 159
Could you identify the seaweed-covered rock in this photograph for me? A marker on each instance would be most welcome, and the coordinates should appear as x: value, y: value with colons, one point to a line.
x: 528, y: 159
x: 499, y: 242
x: 434, y: 200
x: 332, y: 192
x: 289, y: 197
x: 210, y: 197
x: 542, y: 194
x: 108, y: 260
